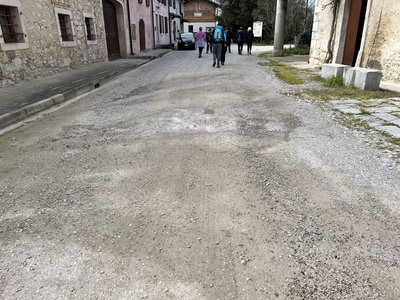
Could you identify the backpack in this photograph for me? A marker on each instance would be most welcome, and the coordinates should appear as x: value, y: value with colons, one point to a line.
x: 218, y: 32
x: 240, y: 35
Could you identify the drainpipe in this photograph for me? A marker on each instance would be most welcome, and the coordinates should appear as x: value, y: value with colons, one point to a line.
x: 130, y: 26
x: 152, y: 19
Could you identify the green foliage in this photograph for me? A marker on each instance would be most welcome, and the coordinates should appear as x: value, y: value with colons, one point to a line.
x: 299, y: 16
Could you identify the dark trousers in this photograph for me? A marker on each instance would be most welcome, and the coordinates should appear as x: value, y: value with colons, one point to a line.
x: 223, y: 52
x: 249, y: 46
x: 209, y: 47
x: 200, y: 51
x: 240, y: 47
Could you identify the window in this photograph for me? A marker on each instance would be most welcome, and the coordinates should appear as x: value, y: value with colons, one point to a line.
x: 90, y: 28
x: 161, y: 24
x: 190, y: 28
x: 65, y: 27
x: 166, y: 25
x: 12, y: 29
x: 9, y: 28
x: 140, y: 1
x: 147, y: 2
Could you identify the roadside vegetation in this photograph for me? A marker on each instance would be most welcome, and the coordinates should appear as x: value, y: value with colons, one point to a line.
x: 284, y: 72
x: 321, y: 91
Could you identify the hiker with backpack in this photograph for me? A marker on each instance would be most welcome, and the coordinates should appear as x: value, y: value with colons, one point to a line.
x: 240, y: 40
x: 249, y: 40
x: 227, y: 39
x: 218, y: 41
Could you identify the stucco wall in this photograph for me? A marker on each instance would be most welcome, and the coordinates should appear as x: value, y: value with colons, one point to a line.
x: 45, y: 54
x: 140, y: 11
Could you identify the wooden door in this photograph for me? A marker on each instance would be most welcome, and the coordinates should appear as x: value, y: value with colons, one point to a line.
x: 111, y: 27
x: 354, y: 31
x: 142, y: 35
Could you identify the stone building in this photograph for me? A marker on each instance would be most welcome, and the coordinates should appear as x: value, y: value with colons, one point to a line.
x: 45, y: 37
x: 360, y: 33
x: 200, y: 13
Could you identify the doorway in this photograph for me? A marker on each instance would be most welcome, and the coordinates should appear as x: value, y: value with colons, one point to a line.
x: 111, y: 28
x: 142, y: 35
x: 355, y: 27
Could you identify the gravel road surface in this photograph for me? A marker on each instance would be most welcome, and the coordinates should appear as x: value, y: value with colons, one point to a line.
x: 178, y: 180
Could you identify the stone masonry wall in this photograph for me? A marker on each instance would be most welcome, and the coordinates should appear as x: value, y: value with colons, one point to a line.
x: 323, y: 16
x: 45, y: 55
x: 380, y: 42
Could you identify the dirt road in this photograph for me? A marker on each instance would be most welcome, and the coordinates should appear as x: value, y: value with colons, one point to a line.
x: 183, y: 181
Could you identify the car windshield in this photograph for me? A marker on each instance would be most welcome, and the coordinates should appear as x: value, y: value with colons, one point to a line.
x: 187, y: 36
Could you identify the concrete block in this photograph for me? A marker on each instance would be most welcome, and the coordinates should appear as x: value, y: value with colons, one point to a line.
x: 38, y: 106
x: 330, y: 70
x: 58, y: 98
x: 368, y: 79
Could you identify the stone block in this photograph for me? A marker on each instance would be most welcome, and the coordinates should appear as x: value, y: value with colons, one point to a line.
x: 330, y: 70
x: 349, y: 76
x: 362, y: 78
x: 367, y: 79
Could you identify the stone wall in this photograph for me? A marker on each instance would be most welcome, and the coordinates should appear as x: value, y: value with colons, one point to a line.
x: 44, y: 54
x: 380, y: 40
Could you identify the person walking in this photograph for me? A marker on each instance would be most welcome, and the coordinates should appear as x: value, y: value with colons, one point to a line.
x: 227, y: 38
x: 249, y: 40
x: 240, y: 40
x: 208, y: 39
x: 217, y: 40
x: 200, y: 38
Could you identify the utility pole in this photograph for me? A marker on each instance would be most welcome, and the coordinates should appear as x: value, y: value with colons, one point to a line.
x: 279, y: 37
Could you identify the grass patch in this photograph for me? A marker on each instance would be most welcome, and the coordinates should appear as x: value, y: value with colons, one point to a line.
x: 284, y: 72
x: 333, y: 89
x: 301, y: 50
x: 334, y: 81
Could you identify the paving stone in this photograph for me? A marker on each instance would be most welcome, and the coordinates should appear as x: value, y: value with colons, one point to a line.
x: 392, y: 130
x: 371, y: 120
x: 397, y: 103
x: 351, y: 101
x: 385, y: 116
x: 348, y: 109
x: 382, y: 109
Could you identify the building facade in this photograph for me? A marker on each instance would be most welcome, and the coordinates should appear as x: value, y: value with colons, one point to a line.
x: 200, y: 13
x: 43, y: 37
x: 139, y: 35
x: 360, y: 33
